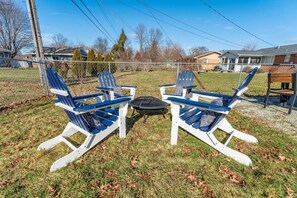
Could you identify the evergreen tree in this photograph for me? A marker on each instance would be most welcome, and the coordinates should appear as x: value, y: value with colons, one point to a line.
x: 110, y: 59
x: 100, y: 66
x: 119, y: 48
x: 77, y: 69
x: 92, y: 67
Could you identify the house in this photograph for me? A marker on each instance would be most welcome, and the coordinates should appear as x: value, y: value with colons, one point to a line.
x: 233, y: 60
x: 4, y: 54
x: 64, y: 53
x: 209, y: 60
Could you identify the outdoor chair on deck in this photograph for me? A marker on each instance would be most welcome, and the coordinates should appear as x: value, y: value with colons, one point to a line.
x: 110, y: 89
x: 95, y: 121
x: 285, y: 91
x: 202, y: 119
x: 183, y: 86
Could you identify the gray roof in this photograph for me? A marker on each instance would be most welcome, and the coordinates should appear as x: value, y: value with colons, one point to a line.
x: 271, y: 51
x: 285, y: 49
x: 4, y: 50
x: 61, y: 51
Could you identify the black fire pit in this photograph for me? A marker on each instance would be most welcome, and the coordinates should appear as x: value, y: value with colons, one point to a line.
x: 148, y: 105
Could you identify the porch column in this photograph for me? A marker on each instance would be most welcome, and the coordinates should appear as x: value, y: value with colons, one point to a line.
x: 228, y: 61
x: 235, y: 64
x: 249, y: 61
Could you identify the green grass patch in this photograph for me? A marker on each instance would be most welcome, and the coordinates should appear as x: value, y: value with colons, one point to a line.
x: 144, y: 163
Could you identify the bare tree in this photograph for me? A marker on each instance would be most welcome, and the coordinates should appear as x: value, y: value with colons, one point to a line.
x: 154, y: 42
x: 173, y: 51
x: 141, y: 36
x: 59, y: 40
x: 198, y: 50
x: 250, y: 46
x: 101, y: 45
x: 15, y: 32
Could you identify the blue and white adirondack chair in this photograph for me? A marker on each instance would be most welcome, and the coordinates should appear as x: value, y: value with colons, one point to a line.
x: 95, y: 121
x: 183, y: 86
x: 202, y: 119
x: 110, y: 89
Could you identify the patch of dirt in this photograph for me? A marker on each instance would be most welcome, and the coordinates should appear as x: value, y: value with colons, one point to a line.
x: 274, y: 115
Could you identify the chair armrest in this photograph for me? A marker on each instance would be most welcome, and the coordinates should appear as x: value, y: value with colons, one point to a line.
x: 128, y: 86
x: 209, y: 94
x: 105, y: 88
x: 201, y: 105
x: 85, y: 97
x: 167, y: 85
x: 189, y: 86
x: 100, y: 105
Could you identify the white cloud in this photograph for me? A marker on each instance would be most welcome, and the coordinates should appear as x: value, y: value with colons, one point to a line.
x: 292, y: 40
x: 229, y: 27
x: 131, y: 35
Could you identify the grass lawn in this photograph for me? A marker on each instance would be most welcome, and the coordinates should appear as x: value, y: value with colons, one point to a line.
x: 19, y: 84
x: 144, y: 163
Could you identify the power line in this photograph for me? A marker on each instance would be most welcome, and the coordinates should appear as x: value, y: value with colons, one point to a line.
x: 106, y: 16
x: 188, y: 31
x: 210, y: 7
x: 163, y: 31
x: 193, y: 27
x: 96, y: 20
x: 90, y: 20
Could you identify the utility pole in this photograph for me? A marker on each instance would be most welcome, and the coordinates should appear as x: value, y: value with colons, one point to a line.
x: 37, y: 42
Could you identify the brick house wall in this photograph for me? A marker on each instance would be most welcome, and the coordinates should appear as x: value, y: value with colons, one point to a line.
x: 279, y: 59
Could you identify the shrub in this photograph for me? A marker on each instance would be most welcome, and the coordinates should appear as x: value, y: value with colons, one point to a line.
x: 247, y: 69
x: 55, y: 65
x: 64, y: 70
x: 260, y: 70
x: 92, y: 68
x: 109, y: 58
x: 78, y: 69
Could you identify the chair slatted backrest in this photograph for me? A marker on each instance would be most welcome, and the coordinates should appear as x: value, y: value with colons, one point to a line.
x: 236, y: 95
x: 57, y: 83
x: 185, y: 78
x: 242, y: 86
x: 107, y: 80
x: 280, y: 77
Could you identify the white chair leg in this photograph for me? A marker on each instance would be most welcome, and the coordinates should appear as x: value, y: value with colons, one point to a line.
x: 63, y: 161
x: 68, y: 131
x: 226, y: 126
x: 122, y: 119
x: 175, y: 119
x: 132, y: 93
x: 212, y: 141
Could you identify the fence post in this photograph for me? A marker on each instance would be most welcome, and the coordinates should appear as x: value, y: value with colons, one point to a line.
x: 239, y: 78
x: 109, y: 67
x: 42, y: 73
x: 177, y: 70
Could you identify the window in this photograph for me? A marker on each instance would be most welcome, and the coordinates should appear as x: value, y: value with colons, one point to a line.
x: 205, y: 61
x: 243, y: 60
x: 287, y: 58
x: 255, y: 60
x: 267, y: 59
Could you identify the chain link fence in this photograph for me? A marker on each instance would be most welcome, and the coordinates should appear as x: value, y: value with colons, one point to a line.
x: 21, y: 81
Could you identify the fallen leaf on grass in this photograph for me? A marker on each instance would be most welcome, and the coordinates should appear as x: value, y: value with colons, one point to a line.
x: 201, y: 184
x: 134, y: 161
x: 289, y: 192
x: 284, y: 158
x: 231, y: 175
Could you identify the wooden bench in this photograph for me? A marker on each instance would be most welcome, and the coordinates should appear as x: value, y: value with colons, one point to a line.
x: 285, y: 91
